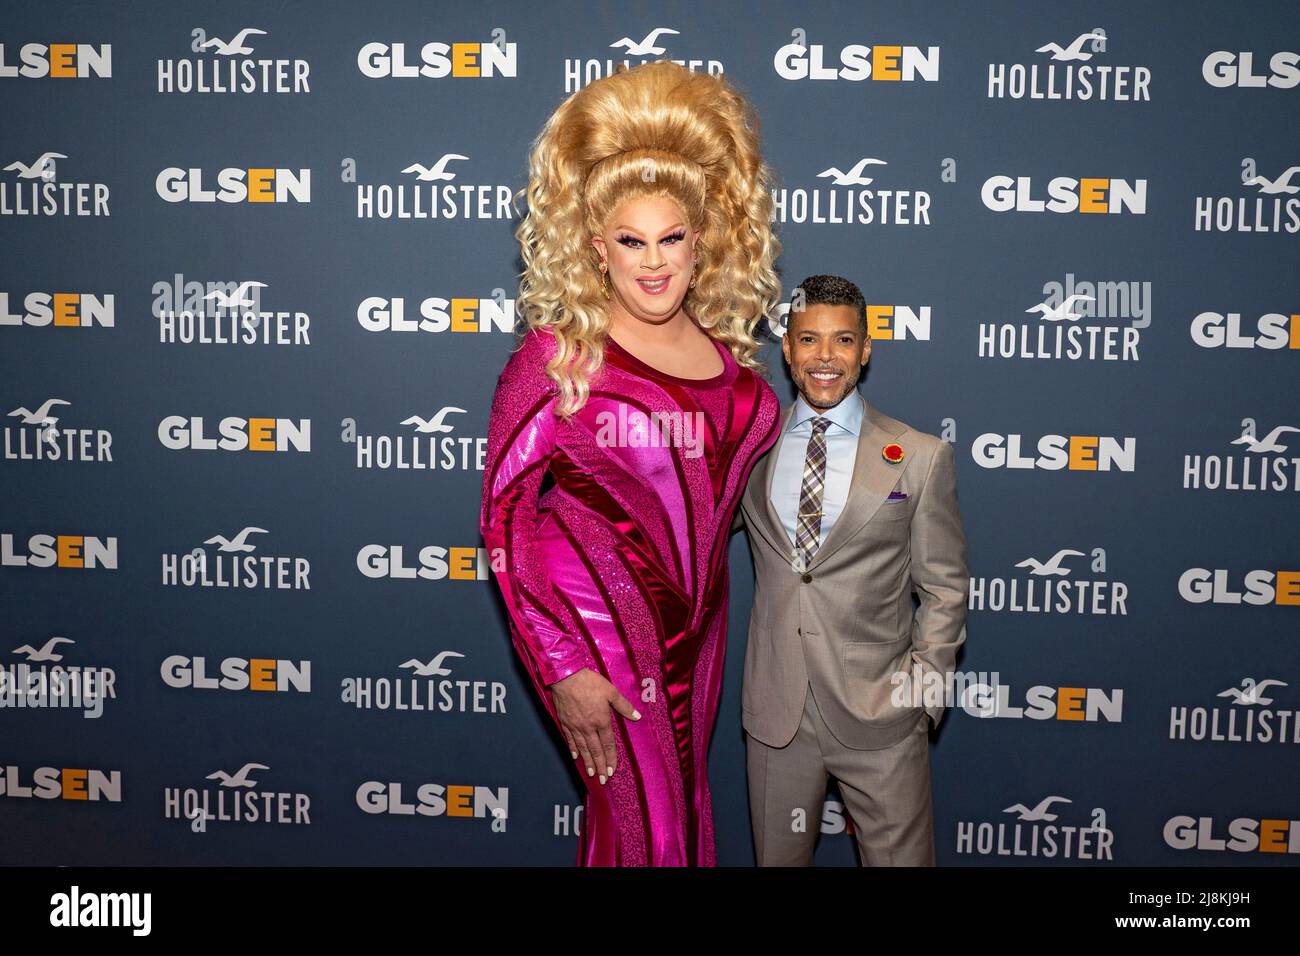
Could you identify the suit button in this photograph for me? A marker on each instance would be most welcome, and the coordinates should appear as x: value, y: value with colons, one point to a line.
x: 799, y: 631
x: 807, y: 578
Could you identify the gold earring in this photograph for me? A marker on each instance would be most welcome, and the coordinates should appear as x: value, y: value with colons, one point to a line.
x: 691, y: 284
x: 604, y: 287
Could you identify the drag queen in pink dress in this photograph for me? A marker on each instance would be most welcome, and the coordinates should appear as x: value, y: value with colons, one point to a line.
x: 623, y: 430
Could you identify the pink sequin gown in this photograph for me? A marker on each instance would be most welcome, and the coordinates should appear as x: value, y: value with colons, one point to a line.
x: 621, y: 566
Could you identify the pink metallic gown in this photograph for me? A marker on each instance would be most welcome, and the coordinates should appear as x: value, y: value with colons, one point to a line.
x: 621, y: 566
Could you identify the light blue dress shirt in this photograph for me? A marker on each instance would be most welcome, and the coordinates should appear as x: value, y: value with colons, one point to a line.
x: 841, y: 453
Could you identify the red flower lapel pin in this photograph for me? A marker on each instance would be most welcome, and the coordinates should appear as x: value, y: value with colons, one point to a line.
x: 892, y: 453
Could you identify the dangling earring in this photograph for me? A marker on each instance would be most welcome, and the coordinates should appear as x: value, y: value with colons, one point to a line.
x: 691, y: 284
x: 603, y: 286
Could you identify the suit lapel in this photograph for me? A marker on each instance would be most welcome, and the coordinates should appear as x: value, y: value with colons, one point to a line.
x: 873, y: 479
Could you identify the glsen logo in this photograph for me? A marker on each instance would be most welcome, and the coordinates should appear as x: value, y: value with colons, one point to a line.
x: 1062, y: 329
x: 428, y: 689
x: 1224, y: 69
x: 1061, y: 79
x: 1043, y: 702
x: 234, y: 567
x: 1244, y: 835
x: 885, y: 323
x: 76, y: 908
x: 431, y: 448
x: 1262, y: 213
x: 223, y: 313
x: 1049, y: 588
x: 1268, y: 465
x: 1206, y: 586
x: 60, y: 551
x: 1036, y: 832
x: 1056, y: 452
x: 38, y: 194
x: 37, y: 437
x: 423, y: 198
x: 62, y: 783
x: 437, y: 60
x: 844, y: 202
x: 1066, y: 195
x: 42, y: 680
x: 229, y: 68
x: 1240, y: 722
x: 436, y: 800
x: 237, y: 673
x: 580, y: 72
x: 461, y: 314
x: 236, y: 799
x: 1276, y: 330
x: 236, y: 185
x: 855, y: 62
x: 67, y: 310
x: 61, y: 61
x: 435, y: 563
x: 237, y: 434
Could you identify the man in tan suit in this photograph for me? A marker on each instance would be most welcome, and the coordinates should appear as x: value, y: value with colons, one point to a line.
x: 849, y: 514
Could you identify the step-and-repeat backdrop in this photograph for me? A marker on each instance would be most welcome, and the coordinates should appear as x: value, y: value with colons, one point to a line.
x: 257, y: 285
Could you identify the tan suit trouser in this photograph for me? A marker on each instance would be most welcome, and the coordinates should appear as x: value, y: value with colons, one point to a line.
x: 887, y: 792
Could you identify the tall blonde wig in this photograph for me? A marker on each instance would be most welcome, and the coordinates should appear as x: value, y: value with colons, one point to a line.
x: 654, y: 130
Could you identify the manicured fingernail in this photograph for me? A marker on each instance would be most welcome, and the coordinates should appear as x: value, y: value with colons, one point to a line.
x: 602, y: 778
x: 636, y: 715
x: 573, y: 754
x: 610, y: 771
x: 590, y: 772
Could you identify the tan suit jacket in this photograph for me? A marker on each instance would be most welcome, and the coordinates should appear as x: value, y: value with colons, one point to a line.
x: 845, y: 626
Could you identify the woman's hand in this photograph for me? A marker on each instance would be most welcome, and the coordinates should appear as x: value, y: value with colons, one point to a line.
x: 582, y: 703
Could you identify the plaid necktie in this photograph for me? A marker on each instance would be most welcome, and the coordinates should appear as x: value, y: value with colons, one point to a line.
x: 808, y: 526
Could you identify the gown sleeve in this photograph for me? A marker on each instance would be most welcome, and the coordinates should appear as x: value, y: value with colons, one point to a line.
x: 521, y: 443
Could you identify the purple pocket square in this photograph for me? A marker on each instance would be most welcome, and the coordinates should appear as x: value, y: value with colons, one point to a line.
x: 897, y: 496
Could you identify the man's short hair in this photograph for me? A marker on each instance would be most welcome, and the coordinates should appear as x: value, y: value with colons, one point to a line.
x: 829, y: 290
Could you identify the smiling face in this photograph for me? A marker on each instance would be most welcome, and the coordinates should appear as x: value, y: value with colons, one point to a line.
x: 827, y: 350
x: 649, y: 249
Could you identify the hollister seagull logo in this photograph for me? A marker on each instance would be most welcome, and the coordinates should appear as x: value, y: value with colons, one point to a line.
x: 435, y: 172
x: 1047, y: 590
x: 39, y: 194
x: 228, y: 68
x: 234, y: 566
x: 648, y: 46
x: 1248, y: 717
x: 241, y: 778
x: 236, y: 46
x: 1075, y: 50
x: 42, y: 168
x: 1061, y: 79
x: 44, y: 441
x: 1267, y: 465
x: 1275, y: 207
x: 46, y: 652
x: 431, y: 448
x: 845, y: 202
x: 854, y: 176
x: 428, y: 688
x: 434, y: 668
x: 43, y: 680
x: 237, y: 299
x: 1038, y: 832
x: 1251, y: 691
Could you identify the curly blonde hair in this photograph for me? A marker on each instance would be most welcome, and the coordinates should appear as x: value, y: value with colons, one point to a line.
x: 700, y: 138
